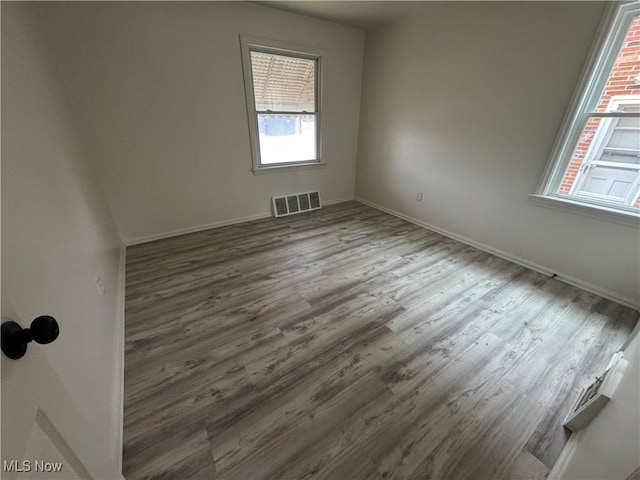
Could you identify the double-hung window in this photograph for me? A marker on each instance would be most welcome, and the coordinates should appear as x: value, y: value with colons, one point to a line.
x: 282, y: 86
x: 595, y: 163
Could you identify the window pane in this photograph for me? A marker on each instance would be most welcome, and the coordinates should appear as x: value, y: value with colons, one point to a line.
x: 622, y: 79
x: 282, y: 83
x: 287, y: 138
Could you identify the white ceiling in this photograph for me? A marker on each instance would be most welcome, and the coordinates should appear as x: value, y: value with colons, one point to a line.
x: 361, y: 14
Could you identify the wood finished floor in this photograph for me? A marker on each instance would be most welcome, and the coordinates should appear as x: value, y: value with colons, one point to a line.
x: 349, y: 344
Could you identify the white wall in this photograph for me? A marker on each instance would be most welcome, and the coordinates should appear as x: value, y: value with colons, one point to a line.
x: 57, y: 234
x: 609, y: 448
x: 159, y: 89
x: 464, y: 104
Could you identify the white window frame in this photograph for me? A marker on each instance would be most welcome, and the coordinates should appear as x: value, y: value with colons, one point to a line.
x: 614, y: 27
x: 251, y: 43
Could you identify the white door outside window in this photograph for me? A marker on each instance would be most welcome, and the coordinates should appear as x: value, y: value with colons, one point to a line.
x: 611, y: 169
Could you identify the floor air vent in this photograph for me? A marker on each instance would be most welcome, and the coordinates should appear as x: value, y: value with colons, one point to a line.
x: 298, y: 203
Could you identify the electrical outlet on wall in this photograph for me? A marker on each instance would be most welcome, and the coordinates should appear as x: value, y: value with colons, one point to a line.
x: 100, y: 284
x: 419, y: 197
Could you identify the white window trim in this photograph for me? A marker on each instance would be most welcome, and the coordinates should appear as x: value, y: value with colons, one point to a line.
x: 247, y: 43
x: 616, y: 21
x: 566, y: 204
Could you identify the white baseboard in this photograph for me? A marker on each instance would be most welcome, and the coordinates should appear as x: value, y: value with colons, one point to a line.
x: 119, y: 380
x: 199, y: 228
x: 339, y: 200
x: 576, y: 282
x: 222, y: 223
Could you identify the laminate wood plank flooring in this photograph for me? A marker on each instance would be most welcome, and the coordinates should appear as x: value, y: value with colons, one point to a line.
x: 346, y: 343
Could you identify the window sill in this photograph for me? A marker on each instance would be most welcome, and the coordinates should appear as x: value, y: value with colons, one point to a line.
x: 288, y: 168
x: 594, y: 211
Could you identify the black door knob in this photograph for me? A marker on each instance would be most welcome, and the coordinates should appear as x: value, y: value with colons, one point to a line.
x: 44, y: 329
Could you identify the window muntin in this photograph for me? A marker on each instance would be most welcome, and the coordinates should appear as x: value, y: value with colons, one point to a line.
x: 595, y: 161
x: 283, y: 101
